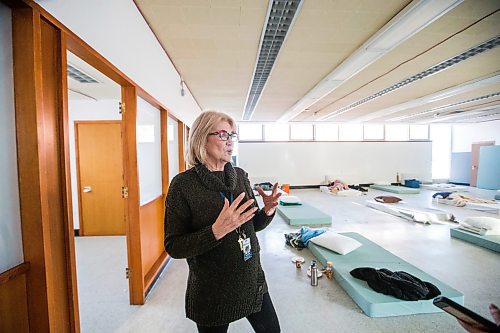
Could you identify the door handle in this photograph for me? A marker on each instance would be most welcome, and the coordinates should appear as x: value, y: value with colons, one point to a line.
x: 87, y: 189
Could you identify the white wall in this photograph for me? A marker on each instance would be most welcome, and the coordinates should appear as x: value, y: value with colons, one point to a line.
x: 117, y: 30
x: 463, y: 135
x: 308, y: 163
x: 11, y: 248
x: 86, y: 110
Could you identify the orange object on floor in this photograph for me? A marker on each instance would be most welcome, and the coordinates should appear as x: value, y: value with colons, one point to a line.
x: 286, y: 188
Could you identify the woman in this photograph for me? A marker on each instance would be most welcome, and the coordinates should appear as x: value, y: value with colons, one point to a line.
x: 211, y: 218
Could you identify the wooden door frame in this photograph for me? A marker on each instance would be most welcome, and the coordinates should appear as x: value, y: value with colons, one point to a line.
x: 43, y: 172
x: 40, y: 249
x: 77, y: 164
x: 181, y: 137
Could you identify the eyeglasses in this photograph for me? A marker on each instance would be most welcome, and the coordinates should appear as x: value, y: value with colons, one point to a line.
x: 225, y: 136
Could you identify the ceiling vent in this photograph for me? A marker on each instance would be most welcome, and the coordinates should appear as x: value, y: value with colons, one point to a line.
x: 79, y: 76
x: 485, y: 46
x: 279, y: 21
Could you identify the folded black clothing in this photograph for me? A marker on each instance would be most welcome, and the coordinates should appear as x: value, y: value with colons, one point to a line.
x: 358, y: 187
x: 399, y: 284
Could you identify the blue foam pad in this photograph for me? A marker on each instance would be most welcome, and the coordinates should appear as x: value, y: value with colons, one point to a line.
x: 489, y: 242
x: 372, y: 303
x: 488, y: 176
x: 460, y: 168
x: 497, y: 197
x: 304, y: 214
x: 396, y: 189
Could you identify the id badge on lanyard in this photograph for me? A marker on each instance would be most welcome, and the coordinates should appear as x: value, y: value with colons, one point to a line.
x: 243, y: 240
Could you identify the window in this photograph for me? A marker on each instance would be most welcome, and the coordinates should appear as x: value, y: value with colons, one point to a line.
x: 171, y: 132
x: 419, y: 132
x: 250, y: 132
x: 301, y: 131
x: 326, y: 132
x: 148, y: 151
x: 373, y: 132
x: 440, y: 134
x: 351, y: 132
x: 276, y: 132
x: 397, y: 132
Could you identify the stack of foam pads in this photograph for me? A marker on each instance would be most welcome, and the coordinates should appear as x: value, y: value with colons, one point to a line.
x: 395, y: 189
x: 372, y: 303
x: 304, y: 214
x: 482, y: 231
x: 488, y: 176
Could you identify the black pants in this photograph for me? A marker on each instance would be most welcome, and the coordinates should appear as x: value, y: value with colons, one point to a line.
x: 265, y: 321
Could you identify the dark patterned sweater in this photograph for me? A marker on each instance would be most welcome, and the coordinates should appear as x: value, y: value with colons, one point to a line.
x: 221, y: 286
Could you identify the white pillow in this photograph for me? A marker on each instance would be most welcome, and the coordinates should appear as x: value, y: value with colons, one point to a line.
x: 489, y: 223
x: 290, y: 199
x: 336, y: 243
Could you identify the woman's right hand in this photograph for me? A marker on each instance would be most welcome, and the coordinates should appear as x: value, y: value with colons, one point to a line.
x: 232, y: 216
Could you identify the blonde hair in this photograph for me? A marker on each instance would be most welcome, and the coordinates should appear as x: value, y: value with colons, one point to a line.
x: 198, y: 135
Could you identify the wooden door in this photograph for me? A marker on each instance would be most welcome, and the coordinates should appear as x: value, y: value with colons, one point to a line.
x: 100, y: 173
x: 475, y: 147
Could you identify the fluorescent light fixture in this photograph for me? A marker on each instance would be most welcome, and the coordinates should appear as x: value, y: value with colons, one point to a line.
x: 493, y: 116
x: 465, y: 114
x: 280, y: 17
x: 443, y: 65
x: 442, y: 108
x: 413, y: 18
x: 446, y: 93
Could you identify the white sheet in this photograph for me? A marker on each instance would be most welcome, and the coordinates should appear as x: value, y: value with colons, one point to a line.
x: 483, y: 207
x: 444, y: 187
x: 415, y: 214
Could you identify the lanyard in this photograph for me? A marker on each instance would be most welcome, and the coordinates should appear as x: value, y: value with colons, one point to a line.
x: 224, y: 197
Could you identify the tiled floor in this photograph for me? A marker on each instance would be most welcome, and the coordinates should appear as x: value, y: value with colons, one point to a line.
x: 301, y: 308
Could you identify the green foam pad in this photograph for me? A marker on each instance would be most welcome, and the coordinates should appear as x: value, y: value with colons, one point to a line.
x: 396, y: 189
x: 490, y: 242
x: 372, y: 303
x: 497, y: 197
x: 304, y: 214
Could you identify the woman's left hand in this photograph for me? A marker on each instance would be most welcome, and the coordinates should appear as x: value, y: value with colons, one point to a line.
x: 270, y: 201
